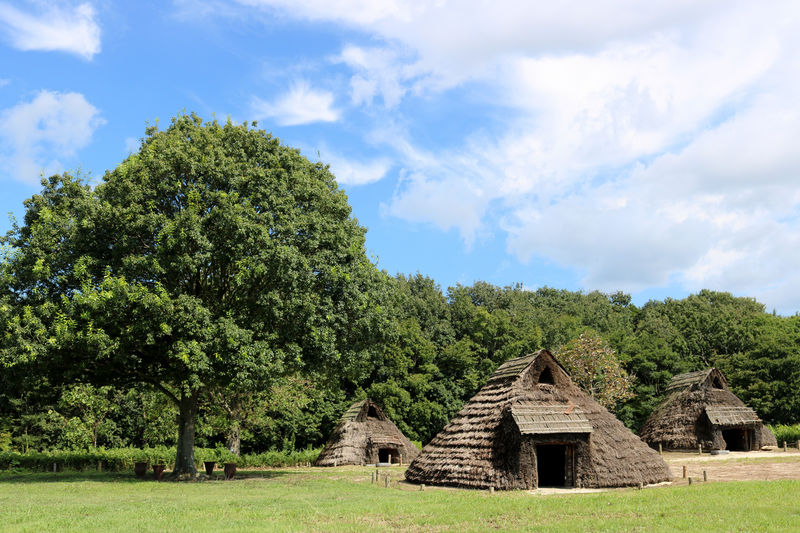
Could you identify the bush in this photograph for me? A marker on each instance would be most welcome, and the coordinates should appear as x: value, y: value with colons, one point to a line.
x: 787, y: 434
x: 122, y: 459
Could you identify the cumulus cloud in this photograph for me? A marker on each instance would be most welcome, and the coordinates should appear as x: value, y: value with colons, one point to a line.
x: 644, y: 144
x: 648, y: 161
x: 52, y: 28
x: 354, y: 172
x: 379, y: 71
x: 38, y: 133
x: 300, y: 105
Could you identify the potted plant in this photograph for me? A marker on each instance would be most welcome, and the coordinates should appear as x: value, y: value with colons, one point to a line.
x: 159, y: 460
x: 209, y: 462
x: 229, y: 459
x: 140, y: 463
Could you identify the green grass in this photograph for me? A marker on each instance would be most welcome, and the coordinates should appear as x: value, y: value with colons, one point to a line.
x: 344, y: 500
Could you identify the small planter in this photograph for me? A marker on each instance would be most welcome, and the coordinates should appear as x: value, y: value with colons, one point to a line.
x: 210, y: 467
x: 140, y: 469
x: 230, y: 470
x: 158, y: 471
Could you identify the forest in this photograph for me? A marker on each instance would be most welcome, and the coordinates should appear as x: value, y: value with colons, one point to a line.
x: 174, y: 305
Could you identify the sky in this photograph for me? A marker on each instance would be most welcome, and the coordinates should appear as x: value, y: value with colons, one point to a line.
x: 613, y: 145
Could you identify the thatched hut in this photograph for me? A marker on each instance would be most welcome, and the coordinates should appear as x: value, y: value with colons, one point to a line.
x: 700, y: 410
x: 365, y: 435
x: 530, y: 426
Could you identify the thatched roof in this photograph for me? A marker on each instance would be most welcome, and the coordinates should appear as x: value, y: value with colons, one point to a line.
x: 476, y: 449
x: 685, y: 381
x: 362, y: 431
x: 695, y: 408
x: 534, y: 419
x: 731, y: 416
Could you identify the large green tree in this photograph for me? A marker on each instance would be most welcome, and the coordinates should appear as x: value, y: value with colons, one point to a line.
x: 214, y: 258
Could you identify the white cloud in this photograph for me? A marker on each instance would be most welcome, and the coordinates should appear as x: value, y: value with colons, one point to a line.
x: 378, y: 71
x: 666, y: 158
x: 362, y: 12
x: 644, y: 144
x: 66, y: 29
x: 37, y: 133
x: 301, y: 105
x: 4, y: 82
x: 456, y: 40
x: 354, y: 173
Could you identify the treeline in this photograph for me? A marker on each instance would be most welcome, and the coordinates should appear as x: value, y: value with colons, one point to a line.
x: 437, y: 350
x: 215, y: 289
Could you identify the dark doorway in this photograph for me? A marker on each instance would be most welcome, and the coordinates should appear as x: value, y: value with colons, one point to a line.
x: 736, y: 439
x: 551, y: 465
x: 388, y: 455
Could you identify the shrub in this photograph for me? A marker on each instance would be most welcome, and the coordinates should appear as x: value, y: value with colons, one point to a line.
x: 122, y: 459
x: 787, y: 434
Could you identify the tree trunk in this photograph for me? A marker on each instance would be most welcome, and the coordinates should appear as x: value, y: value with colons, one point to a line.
x: 184, y: 460
x: 233, y: 438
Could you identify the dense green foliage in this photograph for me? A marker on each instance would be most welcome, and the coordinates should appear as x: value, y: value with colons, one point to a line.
x: 789, y: 434
x: 215, y: 288
x: 214, y: 259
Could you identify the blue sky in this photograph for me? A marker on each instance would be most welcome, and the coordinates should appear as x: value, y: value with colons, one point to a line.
x: 610, y: 145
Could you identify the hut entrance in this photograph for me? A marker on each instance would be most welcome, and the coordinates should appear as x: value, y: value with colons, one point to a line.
x: 554, y: 465
x: 737, y: 439
x: 388, y: 455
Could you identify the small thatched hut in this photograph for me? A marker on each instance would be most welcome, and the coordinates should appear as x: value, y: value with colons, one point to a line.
x: 700, y: 410
x: 530, y: 426
x: 365, y: 435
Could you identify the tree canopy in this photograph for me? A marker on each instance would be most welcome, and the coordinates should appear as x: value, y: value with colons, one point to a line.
x: 214, y: 257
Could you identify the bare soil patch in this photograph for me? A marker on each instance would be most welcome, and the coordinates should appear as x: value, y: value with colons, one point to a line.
x: 735, y: 466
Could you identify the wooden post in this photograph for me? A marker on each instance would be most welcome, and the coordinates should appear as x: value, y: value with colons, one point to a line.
x: 336, y: 463
x: 55, y: 467
x: 386, y: 481
x: 700, y: 449
x: 684, y: 471
x: 491, y: 490
x: 784, y: 445
x: 690, y: 481
x: 660, y: 451
x: 705, y: 475
x: 99, y: 466
x: 422, y: 487
x: 798, y: 444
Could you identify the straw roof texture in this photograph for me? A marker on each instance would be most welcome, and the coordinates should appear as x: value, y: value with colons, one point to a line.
x: 696, y: 408
x: 362, y: 431
x: 489, y: 442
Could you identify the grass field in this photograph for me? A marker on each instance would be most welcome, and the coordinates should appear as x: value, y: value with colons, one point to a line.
x: 344, y: 499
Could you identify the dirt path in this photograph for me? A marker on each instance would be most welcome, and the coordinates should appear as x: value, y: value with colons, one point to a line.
x: 736, y: 466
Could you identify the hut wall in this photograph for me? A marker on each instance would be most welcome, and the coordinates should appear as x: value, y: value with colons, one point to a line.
x: 679, y: 423
x: 359, y: 437
x: 576, y: 463
x: 481, y: 448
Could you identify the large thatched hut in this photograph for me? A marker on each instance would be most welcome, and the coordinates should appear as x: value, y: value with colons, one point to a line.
x: 530, y: 426
x: 365, y: 435
x: 700, y: 410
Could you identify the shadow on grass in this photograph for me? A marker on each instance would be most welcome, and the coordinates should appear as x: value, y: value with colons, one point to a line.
x: 72, y: 476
